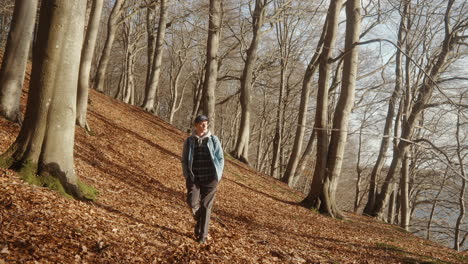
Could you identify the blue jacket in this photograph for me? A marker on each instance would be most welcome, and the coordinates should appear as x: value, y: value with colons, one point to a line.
x: 216, y: 153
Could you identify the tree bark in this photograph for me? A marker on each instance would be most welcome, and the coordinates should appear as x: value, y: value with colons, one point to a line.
x: 112, y: 26
x: 197, y: 95
x: 211, y: 72
x: 152, y: 86
x: 175, y: 73
x: 46, y: 140
x: 392, y: 204
x: 86, y: 61
x: 404, y: 195
x: 241, y: 151
x: 315, y: 196
x: 343, y: 109
x: 283, y: 36
x: 461, y: 200
x: 151, y: 46
x: 305, y: 158
x: 15, y: 59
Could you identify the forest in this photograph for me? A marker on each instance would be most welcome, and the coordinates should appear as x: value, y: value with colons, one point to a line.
x: 361, y: 105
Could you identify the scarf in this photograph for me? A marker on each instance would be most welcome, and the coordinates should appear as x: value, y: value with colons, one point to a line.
x: 200, y: 139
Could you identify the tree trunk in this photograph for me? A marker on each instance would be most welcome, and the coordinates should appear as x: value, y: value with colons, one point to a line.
x: 315, y: 196
x: 241, y: 151
x: 461, y: 197
x: 153, y: 83
x: 283, y: 36
x: 392, y: 204
x: 211, y: 72
x: 151, y: 46
x: 306, y: 156
x: 404, y: 195
x: 46, y: 140
x: 86, y: 61
x: 424, y: 96
x: 175, y: 101
x: 112, y: 26
x: 343, y: 109
x: 129, y: 95
x: 359, y: 169
x: 296, y: 151
x: 15, y: 59
x: 434, y: 203
x: 260, y: 143
x: 197, y: 96
x: 390, y: 116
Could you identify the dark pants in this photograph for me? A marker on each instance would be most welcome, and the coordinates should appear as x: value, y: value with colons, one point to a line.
x: 200, y: 198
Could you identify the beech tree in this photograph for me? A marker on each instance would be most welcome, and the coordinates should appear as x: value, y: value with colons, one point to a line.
x: 211, y: 71
x: 290, y: 173
x: 112, y: 26
x: 321, y: 115
x: 322, y: 197
x: 241, y: 152
x: 156, y: 61
x: 413, y: 114
x: 179, y: 51
x: 285, y: 31
x: 15, y: 59
x: 461, y: 154
x: 86, y: 62
x: 131, y: 44
x: 392, y: 104
x: 46, y: 140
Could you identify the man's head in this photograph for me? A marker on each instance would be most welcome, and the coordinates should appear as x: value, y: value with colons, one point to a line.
x: 201, y: 125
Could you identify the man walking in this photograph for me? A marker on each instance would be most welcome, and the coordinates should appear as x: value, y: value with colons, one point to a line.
x: 202, y: 165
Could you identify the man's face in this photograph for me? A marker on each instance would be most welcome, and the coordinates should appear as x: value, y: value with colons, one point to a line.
x: 201, y: 127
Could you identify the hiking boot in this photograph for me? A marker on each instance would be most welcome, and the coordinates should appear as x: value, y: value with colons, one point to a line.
x: 201, y: 240
x: 197, y: 230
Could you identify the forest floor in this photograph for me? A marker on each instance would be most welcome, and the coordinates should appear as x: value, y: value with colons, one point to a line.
x: 140, y: 215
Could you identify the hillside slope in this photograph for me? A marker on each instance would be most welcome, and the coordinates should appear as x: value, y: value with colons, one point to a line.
x: 140, y: 216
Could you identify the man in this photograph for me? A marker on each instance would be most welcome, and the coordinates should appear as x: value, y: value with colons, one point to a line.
x: 202, y: 165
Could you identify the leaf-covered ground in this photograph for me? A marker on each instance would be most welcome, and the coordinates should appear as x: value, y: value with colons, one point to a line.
x: 133, y: 159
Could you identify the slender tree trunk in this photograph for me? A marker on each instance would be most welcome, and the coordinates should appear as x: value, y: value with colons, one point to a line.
x: 129, y: 97
x: 404, y: 195
x: 283, y: 35
x: 390, y: 116
x: 316, y: 195
x: 241, y: 151
x: 306, y: 156
x: 15, y: 59
x: 343, y: 109
x: 112, y: 26
x: 291, y: 168
x: 392, y: 204
x: 46, y: 140
x: 260, y: 143
x: 152, y: 87
x: 358, y: 166
x: 461, y: 197
x: 151, y: 47
x: 197, y: 96
x: 86, y: 61
x: 424, y: 96
x: 211, y: 72
x: 174, y: 79
x: 278, y: 138
x: 434, y: 204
